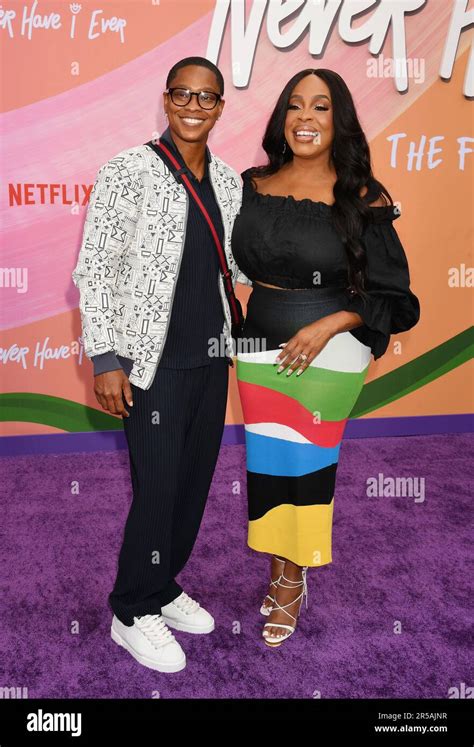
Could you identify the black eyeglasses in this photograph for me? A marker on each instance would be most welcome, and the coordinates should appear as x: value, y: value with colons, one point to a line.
x: 206, y: 99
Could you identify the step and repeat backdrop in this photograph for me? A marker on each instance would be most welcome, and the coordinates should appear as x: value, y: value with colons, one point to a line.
x: 82, y: 81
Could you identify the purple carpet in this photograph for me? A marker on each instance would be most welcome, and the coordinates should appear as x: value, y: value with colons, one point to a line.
x: 389, y: 617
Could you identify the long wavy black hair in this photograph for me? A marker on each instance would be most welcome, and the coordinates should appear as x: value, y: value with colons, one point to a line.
x: 351, y: 158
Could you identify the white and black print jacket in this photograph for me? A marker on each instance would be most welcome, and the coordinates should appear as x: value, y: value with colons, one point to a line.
x: 131, y: 251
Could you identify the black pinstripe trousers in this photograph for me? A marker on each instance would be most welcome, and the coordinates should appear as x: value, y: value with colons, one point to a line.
x: 173, y: 434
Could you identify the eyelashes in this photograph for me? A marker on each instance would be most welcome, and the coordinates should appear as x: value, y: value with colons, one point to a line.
x: 319, y: 107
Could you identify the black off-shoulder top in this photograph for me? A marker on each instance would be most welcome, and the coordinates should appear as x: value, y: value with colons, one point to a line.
x: 293, y: 244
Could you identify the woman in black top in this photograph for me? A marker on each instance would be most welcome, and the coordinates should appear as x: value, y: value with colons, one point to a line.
x: 331, y: 283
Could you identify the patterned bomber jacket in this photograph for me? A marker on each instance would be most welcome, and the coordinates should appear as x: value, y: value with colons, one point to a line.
x: 131, y: 251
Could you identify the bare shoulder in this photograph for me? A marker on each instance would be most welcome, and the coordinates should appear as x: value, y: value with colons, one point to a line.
x: 267, y: 179
x: 271, y: 182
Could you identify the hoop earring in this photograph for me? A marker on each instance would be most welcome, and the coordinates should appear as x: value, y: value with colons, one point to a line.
x: 284, y: 147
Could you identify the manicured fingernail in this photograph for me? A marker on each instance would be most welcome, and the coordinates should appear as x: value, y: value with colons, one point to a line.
x: 299, y: 371
x: 288, y: 373
x: 280, y: 369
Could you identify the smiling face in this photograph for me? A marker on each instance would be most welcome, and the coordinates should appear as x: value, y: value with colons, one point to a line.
x: 191, y: 122
x: 309, y: 127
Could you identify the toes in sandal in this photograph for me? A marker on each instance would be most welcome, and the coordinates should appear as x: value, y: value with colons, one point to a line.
x: 276, y: 640
x: 265, y: 609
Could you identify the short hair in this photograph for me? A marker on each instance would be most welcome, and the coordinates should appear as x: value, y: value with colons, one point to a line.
x: 202, y: 62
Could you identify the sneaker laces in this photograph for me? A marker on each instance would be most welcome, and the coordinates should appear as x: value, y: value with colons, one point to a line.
x: 186, y: 604
x: 155, y: 629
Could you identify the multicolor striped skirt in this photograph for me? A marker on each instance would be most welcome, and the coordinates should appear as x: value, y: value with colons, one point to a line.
x: 294, y: 425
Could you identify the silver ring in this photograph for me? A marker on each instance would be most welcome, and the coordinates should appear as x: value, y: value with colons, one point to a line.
x: 303, y: 356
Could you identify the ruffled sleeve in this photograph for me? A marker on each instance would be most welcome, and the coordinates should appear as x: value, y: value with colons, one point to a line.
x: 391, y: 306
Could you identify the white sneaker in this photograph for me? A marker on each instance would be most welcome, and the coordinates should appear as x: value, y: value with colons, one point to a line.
x: 150, y: 642
x: 184, y: 613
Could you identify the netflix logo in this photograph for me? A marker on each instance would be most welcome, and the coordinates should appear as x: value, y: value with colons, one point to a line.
x: 48, y: 194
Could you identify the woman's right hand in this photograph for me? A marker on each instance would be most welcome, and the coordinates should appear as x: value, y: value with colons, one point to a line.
x: 110, y: 388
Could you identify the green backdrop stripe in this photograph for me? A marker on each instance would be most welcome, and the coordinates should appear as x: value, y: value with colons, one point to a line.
x: 74, y: 417
x: 416, y: 374
x: 56, y: 412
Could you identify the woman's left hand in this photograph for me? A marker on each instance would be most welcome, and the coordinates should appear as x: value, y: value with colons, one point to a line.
x: 303, y: 347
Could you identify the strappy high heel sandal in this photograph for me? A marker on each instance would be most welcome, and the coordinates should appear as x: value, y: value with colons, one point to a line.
x: 276, y: 640
x: 266, y: 609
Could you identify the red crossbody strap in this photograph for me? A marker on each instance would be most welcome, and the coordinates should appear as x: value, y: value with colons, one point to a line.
x: 226, y: 274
